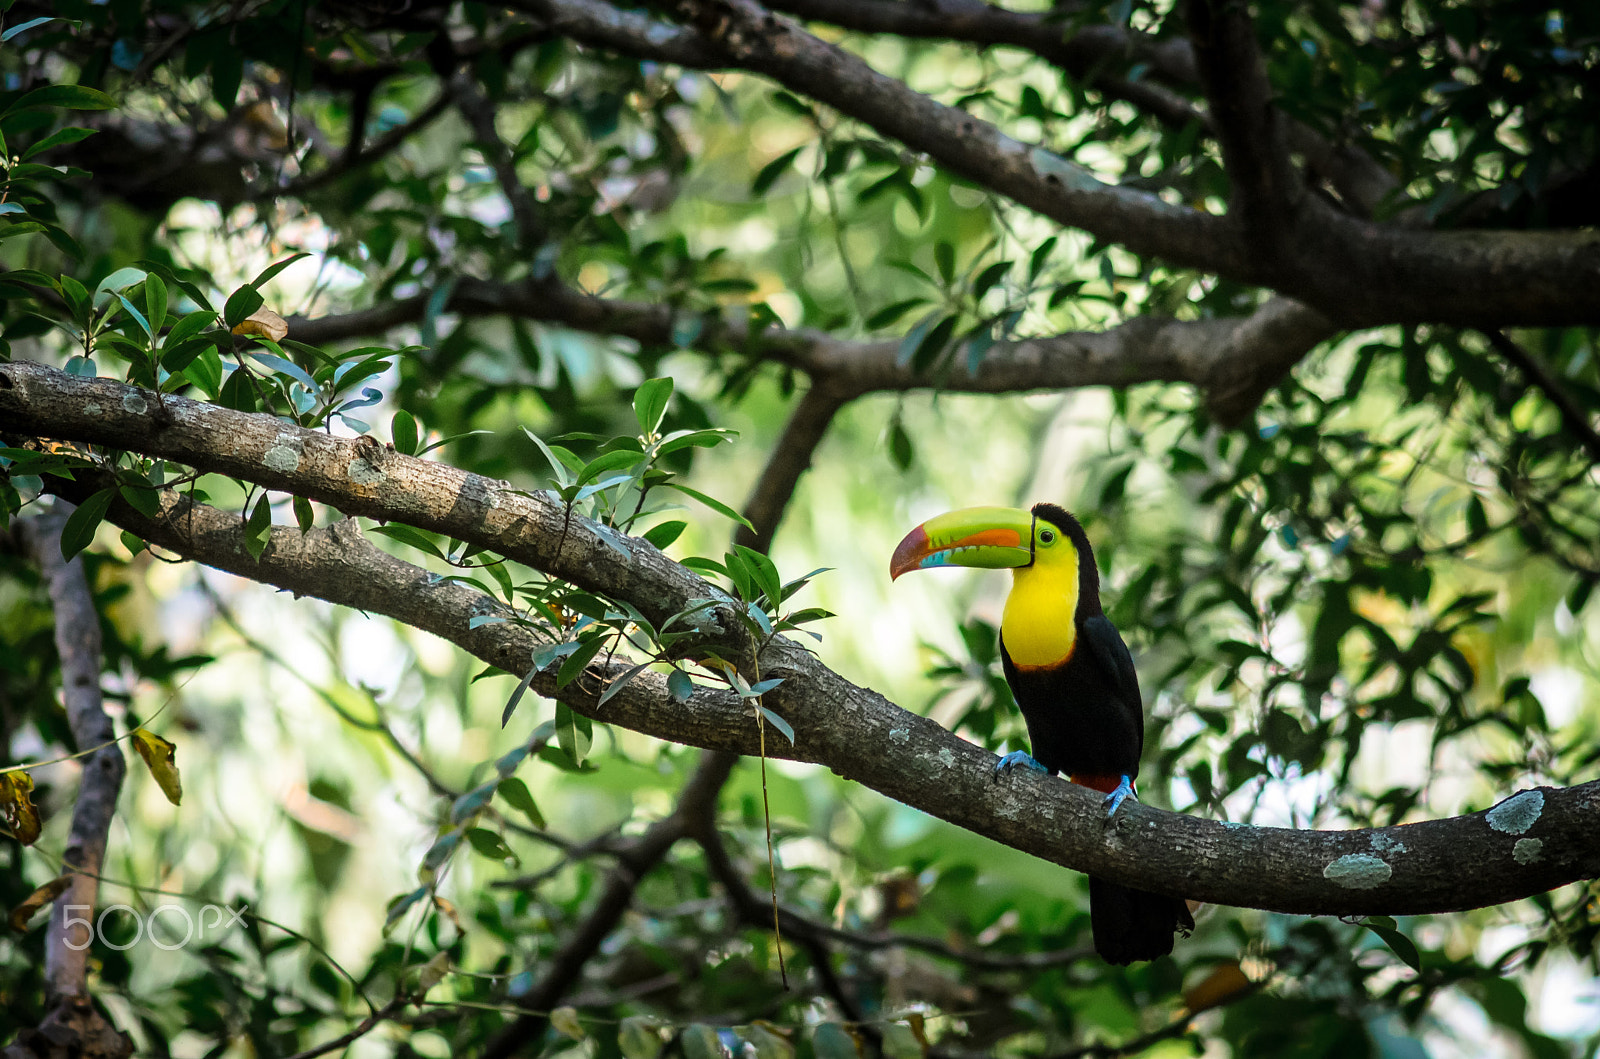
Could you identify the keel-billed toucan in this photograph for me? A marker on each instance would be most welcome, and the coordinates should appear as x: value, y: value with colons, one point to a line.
x: 1072, y: 677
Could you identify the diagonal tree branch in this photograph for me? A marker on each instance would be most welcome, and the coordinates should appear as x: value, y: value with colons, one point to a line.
x: 791, y: 456
x: 1572, y: 413
x: 741, y: 34
x: 1533, y: 842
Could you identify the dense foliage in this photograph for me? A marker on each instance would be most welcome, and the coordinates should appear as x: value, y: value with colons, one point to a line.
x: 646, y: 258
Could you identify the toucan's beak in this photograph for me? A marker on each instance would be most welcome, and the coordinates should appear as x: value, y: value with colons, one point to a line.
x: 989, y: 537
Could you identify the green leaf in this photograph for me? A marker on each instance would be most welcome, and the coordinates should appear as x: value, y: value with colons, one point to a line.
x: 764, y: 572
x: 304, y: 517
x: 574, y: 733
x: 441, y: 850
x: 142, y: 499
x: 579, y: 660
x: 988, y: 278
x: 285, y: 366
x: 516, y: 695
x: 516, y: 794
x: 610, y: 461
x: 411, y: 537
x: 138, y: 317
x: 241, y: 303
x: 188, y: 327
x: 1402, y: 946
x: 81, y: 524
x: 944, y: 257
x: 155, y: 301
x: 716, y: 505
x: 403, y: 429
x: 23, y: 27
x: 258, y: 528
x: 620, y: 681
x: 488, y: 844
x: 59, y: 138
x: 403, y: 904
x: 777, y: 722
x: 471, y: 803
x: 890, y: 313
x: 650, y: 404
x: 705, y: 439
x: 558, y: 465
x: 665, y: 533
x: 901, y: 450
x: 273, y: 269
x: 770, y: 172
x: 69, y: 97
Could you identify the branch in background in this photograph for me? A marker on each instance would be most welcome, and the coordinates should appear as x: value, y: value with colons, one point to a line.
x: 356, y: 154
x: 791, y: 456
x: 361, y: 1029
x: 1234, y: 360
x: 77, y: 633
x: 697, y: 804
x: 1166, y: 65
x: 1085, y: 52
x: 1249, y: 129
x: 1355, y: 272
x: 743, y: 35
x: 1572, y: 414
x: 1539, y: 840
x: 479, y: 112
x: 754, y: 911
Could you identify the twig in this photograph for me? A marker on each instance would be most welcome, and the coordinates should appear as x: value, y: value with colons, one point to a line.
x: 366, y: 1026
x: 1576, y: 419
x: 696, y: 803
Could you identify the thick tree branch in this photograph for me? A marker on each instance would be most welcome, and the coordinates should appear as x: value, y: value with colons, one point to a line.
x: 1536, y: 841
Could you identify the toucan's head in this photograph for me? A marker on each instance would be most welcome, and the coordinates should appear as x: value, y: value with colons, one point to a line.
x: 994, y: 538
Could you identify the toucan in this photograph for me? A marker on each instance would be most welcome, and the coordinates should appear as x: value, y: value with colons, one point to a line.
x: 1072, y: 677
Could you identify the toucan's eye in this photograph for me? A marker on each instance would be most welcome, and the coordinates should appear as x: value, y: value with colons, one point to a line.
x: 1047, y: 537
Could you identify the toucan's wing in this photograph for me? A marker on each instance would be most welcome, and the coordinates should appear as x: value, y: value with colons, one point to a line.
x: 1111, y: 655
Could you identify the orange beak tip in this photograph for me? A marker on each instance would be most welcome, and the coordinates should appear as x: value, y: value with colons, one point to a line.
x: 909, y: 553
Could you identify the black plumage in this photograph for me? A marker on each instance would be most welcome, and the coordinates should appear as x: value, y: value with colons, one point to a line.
x: 1085, y: 719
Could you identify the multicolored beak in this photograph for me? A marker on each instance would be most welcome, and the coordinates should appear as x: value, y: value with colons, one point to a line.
x: 992, y: 538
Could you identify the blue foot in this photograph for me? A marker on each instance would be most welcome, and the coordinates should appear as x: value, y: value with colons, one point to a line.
x: 1015, y: 758
x: 1120, y: 794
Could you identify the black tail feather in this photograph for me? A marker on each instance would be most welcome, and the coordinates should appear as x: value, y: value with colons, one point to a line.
x: 1132, y: 924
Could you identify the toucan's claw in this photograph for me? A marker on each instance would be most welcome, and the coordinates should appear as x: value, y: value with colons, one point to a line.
x: 1015, y: 758
x: 1121, y: 793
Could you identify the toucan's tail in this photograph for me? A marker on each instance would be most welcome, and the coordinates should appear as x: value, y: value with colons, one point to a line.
x: 1134, y: 925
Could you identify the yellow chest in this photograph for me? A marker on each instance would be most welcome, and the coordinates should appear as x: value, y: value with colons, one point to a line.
x: 1037, y: 627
